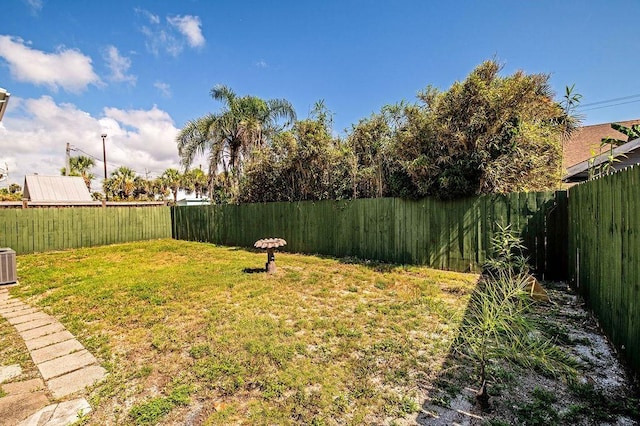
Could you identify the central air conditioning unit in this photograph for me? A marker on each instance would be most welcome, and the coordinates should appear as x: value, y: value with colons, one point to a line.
x: 8, y: 273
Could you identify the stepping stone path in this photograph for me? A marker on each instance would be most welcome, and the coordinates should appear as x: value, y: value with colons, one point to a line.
x: 65, y: 365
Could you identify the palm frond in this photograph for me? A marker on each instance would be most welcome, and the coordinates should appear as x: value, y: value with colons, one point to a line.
x: 223, y: 93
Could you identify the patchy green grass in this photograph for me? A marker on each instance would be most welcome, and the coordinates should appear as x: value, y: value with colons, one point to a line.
x: 14, y: 351
x: 190, y: 330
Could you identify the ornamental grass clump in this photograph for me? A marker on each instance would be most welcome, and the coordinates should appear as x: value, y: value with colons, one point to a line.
x: 497, y: 327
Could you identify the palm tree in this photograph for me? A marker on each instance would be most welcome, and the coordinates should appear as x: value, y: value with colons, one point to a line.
x: 195, y: 180
x: 173, y: 180
x: 80, y: 166
x: 229, y: 136
x: 121, y: 184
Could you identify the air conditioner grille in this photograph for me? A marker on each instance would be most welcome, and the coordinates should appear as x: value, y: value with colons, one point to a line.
x: 7, y: 266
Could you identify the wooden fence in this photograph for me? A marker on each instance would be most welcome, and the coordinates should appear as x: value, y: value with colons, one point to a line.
x: 44, y: 229
x: 604, y: 255
x: 452, y: 235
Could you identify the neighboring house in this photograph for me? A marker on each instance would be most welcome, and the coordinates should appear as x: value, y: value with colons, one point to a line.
x: 56, y: 190
x: 626, y: 155
x: 193, y: 202
x: 584, y: 145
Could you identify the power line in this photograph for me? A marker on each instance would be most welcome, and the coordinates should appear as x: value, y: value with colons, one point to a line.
x: 606, y: 101
x: 612, y: 105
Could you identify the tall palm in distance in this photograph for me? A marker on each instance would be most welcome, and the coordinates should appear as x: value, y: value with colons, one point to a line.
x: 172, y: 180
x: 121, y: 185
x: 81, y: 166
x: 229, y: 136
x: 195, y: 181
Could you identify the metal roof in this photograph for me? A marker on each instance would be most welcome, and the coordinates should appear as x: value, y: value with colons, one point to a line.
x: 55, y: 188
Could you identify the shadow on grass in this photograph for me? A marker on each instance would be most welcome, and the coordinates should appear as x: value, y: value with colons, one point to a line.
x: 549, y: 385
x: 452, y: 400
x: 253, y: 270
x: 374, y: 265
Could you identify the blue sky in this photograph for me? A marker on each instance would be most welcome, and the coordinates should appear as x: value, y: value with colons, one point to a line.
x: 138, y: 70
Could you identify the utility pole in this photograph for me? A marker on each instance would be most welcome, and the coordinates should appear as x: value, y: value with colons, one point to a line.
x: 104, y: 154
x: 68, y: 160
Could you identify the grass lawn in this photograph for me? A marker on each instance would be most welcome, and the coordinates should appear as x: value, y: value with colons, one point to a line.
x: 192, y: 331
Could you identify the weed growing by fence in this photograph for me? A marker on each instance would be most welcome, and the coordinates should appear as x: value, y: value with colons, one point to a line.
x: 497, y: 327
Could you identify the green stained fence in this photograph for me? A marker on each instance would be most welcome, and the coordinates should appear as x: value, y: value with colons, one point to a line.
x: 452, y: 235
x: 604, y: 255
x: 44, y: 229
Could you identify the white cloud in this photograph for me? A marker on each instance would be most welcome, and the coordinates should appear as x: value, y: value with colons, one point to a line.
x: 154, y: 19
x: 158, y: 39
x: 68, y: 69
x: 172, y: 36
x: 35, y: 133
x: 164, y: 88
x: 261, y: 64
x: 34, y: 5
x: 119, y: 65
x: 189, y: 26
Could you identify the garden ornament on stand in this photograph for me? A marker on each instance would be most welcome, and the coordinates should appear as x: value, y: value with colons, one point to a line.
x: 270, y: 244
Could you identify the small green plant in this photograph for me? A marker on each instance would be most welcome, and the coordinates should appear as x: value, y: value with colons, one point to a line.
x: 200, y: 351
x: 497, y: 325
x: 152, y: 411
x: 540, y: 410
x: 83, y: 418
x: 144, y: 371
x: 400, y: 406
x: 381, y: 285
x: 601, y: 407
x: 507, y: 253
x: 441, y: 401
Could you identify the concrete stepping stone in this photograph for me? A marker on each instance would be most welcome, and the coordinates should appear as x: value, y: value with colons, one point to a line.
x: 14, y: 408
x: 17, y: 311
x: 62, y: 414
x: 56, y: 350
x: 49, y: 339
x: 11, y: 306
x: 27, y: 386
x: 8, y: 372
x: 30, y: 325
x: 42, y: 331
x: 33, y: 316
x: 75, y: 381
x: 65, y: 364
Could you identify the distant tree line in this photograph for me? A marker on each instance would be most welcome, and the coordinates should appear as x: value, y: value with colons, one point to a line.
x: 486, y: 134
x: 11, y: 193
x: 125, y: 185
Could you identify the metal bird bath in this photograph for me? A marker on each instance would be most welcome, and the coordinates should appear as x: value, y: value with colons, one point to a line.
x: 270, y: 244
